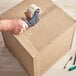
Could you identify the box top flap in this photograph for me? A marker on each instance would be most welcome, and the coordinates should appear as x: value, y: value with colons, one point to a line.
x: 18, y: 11
x: 51, y: 25
x: 49, y: 28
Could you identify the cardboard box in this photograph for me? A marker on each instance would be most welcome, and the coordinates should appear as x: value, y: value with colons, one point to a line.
x: 42, y: 45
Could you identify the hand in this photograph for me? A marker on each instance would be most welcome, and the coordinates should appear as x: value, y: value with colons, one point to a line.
x: 15, y: 26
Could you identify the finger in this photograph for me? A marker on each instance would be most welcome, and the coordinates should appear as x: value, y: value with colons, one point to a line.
x: 22, y: 30
x: 24, y: 24
x: 18, y: 27
x: 16, y: 30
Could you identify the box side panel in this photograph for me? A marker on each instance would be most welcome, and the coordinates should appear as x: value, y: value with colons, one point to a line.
x: 56, y: 50
x: 49, y: 28
x: 20, y: 53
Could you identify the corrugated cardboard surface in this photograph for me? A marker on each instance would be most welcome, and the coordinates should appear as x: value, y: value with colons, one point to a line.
x: 30, y: 47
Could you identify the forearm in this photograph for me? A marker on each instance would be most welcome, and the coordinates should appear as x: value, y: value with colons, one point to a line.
x: 0, y: 25
x: 14, y: 26
x: 5, y: 24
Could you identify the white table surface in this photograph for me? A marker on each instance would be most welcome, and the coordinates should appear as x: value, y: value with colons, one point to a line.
x: 58, y: 70
x: 68, y: 6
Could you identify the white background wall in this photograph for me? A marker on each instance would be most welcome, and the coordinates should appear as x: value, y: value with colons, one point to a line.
x: 7, y: 4
x: 57, y: 69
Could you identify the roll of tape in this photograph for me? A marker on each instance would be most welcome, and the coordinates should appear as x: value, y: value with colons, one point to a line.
x: 32, y: 9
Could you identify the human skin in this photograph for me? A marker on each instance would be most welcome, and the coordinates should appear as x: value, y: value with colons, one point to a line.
x: 15, y: 26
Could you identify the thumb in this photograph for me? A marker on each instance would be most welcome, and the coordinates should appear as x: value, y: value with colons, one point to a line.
x: 24, y: 26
